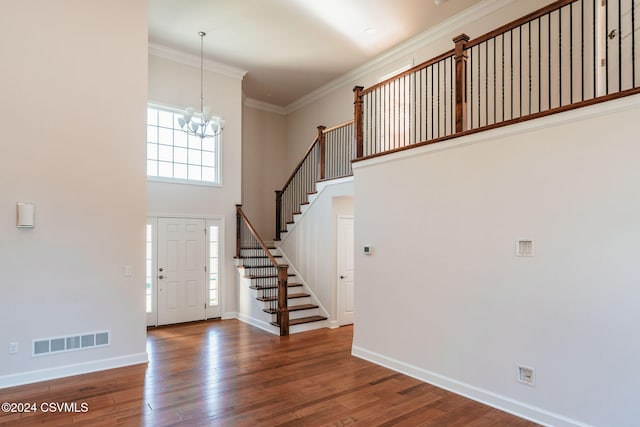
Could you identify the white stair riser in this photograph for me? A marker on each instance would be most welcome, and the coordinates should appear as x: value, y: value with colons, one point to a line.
x: 303, y: 313
x: 292, y: 302
x: 308, y: 326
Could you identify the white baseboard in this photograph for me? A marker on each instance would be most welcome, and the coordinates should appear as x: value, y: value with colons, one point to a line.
x: 229, y: 315
x: 334, y: 324
x: 268, y: 327
x: 70, y: 370
x: 503, y: 403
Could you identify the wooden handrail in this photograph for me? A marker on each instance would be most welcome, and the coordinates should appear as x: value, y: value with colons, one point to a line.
x: 336, y: 127
x: 411, y: 70
x: 518, y: 22
x: 297, y: 168
x: 256, y: 235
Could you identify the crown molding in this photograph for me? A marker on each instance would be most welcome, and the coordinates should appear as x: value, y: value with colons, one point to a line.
x: 471, y: 14
x: 194, y: 61
x: 264, y: 106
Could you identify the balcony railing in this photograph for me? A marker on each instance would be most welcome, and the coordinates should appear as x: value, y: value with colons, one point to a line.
x: 569, y: 54
x: 328, y: 157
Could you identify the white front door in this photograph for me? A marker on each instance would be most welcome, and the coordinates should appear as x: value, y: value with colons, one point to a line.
x: 345, y: 270
x: 181, y: 270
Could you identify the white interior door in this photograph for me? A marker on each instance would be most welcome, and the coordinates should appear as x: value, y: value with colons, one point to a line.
x: 181, y: 274
x: 345, y: 270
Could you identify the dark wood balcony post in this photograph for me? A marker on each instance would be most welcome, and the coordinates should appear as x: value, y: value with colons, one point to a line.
x: 322, y: 140
x: 357, y: 121
x: 461, y: 81
x: 238, y: 225
x: 283, y: 309
x: 278, y: 213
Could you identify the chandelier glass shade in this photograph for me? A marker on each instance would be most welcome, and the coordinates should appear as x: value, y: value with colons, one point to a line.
x: 201, y: 124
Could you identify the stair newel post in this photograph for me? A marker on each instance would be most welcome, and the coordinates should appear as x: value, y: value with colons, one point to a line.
x: 238, y: 230
x: 278, y: 213
x: 460, y: 57
x: 322, y: 146
x: 358, y: 122
x: 283, y: 310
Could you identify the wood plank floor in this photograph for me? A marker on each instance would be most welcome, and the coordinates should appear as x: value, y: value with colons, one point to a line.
x: 227, y: 373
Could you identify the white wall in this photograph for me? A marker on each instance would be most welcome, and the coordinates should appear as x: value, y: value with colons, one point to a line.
x: 73, y: 78
x: 445, y: 299
x: 333, y: 104
x: 310, y: 246
x: 177, y: 84
x: 263, y: 167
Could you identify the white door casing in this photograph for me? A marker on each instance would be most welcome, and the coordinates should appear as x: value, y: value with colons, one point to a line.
x: 181, y: 275
x: 345, y: 254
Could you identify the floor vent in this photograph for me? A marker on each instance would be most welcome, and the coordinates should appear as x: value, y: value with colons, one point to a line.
x: 45, y: 346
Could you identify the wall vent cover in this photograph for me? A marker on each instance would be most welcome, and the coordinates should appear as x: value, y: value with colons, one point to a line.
x: 55, y: 345
x: 524, y: 247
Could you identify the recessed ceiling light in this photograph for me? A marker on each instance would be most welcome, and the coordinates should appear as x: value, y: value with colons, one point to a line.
x: 369, y: 30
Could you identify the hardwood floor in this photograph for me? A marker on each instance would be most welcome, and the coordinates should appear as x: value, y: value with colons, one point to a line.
x: 227, y: 373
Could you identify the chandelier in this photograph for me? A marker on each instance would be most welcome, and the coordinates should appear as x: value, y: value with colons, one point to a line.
x: 201, y: 124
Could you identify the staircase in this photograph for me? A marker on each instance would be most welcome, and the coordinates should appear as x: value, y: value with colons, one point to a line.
x: 296, y: 214
x: 259, y: 268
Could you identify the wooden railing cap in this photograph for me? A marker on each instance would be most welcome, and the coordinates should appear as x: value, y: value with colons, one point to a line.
x: 461, y: 37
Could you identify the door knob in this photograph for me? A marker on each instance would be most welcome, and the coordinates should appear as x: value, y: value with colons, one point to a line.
x: 342, y: 277
x: 161, y: 277
x: 160, y: 269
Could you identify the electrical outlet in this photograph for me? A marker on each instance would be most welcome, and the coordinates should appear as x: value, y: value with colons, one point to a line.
x: 526, y: 375
x: 13, y: 347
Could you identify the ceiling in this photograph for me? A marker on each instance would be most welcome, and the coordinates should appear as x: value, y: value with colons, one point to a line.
x: 289, y: 48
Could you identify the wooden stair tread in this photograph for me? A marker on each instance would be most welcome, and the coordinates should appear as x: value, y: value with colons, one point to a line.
x: 292, y: 308
x: 303, y: 307
x: 253, y: 248
x: 289, y: 296
x: 258, y: 257
x: 302, y: 320
x: 271, y: 276
x: 289, y: 285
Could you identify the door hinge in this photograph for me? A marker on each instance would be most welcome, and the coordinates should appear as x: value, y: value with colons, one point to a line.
x: 205, y: 305
x: 603, y: 62
x: 205, y: 231
x: 205, y: 268
x: 603, y: 3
